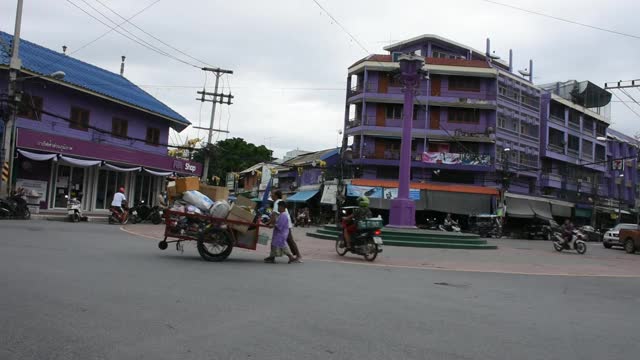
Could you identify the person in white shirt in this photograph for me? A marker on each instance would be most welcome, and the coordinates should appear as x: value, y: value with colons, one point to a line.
x: 118, y: 199
x: 277, y: 196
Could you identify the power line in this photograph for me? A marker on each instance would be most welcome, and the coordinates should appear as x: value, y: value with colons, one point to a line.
x: 152, y: 36
x: 112, y: 29
x: 342, y: 27
x: 563, y: 19
x: 629, y: 96
x: 625, y: 104
x: 139, y: 42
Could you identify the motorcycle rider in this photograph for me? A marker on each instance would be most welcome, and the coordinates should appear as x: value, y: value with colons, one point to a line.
x: 350, y: 222
x: 449, y: 222
x: 118, y: 198
x: 567, y: 231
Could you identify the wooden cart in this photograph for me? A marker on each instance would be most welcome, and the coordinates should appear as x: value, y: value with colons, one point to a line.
x: 216, y: 237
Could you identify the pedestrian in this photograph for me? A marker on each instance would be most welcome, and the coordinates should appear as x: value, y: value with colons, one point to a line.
x: 160, y: 199
x: 277, y: 196
x: 279, y: 240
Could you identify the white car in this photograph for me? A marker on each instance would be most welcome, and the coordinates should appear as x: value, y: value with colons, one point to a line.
x: 611, y: 236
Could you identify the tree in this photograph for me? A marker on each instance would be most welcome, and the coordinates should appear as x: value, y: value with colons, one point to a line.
x: 232, y: 155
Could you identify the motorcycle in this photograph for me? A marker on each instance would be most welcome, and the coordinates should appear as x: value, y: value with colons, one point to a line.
x: 142, y: 212
x: 432, y: 224
x: 117, y: 216
x: 366, y: 241
x: 74, y: 210
x: 453, y: 227
x: 15, y: 207
x: 576, y: 243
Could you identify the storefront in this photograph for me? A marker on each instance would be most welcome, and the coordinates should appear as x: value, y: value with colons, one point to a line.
x: 56, y: 167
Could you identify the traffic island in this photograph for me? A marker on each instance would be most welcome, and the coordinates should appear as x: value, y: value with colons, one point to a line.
x: 416, y: 238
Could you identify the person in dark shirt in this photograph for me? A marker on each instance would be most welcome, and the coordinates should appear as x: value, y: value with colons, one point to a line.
x: 350, y: 222
x: 567, y: 230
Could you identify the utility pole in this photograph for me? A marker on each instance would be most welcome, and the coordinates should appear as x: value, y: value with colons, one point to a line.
x: 216, y: 98
x: 8, y: 148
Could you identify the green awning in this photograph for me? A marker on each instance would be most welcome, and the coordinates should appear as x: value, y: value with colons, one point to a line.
x: 584, y: 213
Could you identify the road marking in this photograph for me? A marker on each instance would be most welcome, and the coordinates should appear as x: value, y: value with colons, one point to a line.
x: 348, y: 262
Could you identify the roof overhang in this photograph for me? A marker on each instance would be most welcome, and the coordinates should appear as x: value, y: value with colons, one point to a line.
x: 432, y: 69
x: 176, y: 124
x: 577, y: 107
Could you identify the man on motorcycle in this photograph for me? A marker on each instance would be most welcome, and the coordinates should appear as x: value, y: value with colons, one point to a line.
x: 118, y: 198
x: 567, y: 231
x: 350, y: 222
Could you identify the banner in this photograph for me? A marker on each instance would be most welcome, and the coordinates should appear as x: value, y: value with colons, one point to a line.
x: 329, y: 195
x: 392, y: 193
x: 455, y: 158
x: 368, y: 191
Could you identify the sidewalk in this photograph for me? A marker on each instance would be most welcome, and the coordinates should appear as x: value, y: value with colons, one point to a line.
x: 512, y: 256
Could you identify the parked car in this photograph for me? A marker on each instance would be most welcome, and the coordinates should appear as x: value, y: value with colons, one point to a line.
x: 612, y: 236
x: 590, y: 233
x: 630, y: 239
x: 542, y: 229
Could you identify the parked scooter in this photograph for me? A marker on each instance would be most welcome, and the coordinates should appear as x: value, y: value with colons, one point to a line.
x: 453, y: 227
x: 142, y: 212
x: 117, y: 216
x: 15, y: 207
x: 74, y: 210
x: 576, y: 243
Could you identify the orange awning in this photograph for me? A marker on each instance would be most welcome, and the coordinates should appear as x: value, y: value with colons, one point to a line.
x: 469, y: 189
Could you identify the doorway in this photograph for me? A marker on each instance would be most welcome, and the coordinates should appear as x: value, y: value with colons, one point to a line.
x: 108, y: 183
x: 68, y: 181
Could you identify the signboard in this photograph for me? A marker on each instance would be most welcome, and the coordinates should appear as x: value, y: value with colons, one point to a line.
x: 379, y: 192
x: 455, y: 158
x: 617, y: 165
x: 329, y: 195
x: 392, y: 193
x: 33, y: 187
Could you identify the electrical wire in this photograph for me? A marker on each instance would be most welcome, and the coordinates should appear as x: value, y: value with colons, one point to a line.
x: 341, y: 27
x: 142, y: 42
x: 152, y: 36
x: 625, y: 104
x: 112, y: 29
x: 629, y: 96
x: 563, y: 19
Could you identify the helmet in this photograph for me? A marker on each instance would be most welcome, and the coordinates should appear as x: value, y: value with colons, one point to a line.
x: 121, y: 189
x: 363, y: 201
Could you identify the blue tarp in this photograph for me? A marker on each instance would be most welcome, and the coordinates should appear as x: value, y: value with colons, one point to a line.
x: 302, y: 196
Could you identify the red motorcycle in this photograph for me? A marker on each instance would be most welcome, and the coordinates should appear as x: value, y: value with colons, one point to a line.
x: 119, y: 215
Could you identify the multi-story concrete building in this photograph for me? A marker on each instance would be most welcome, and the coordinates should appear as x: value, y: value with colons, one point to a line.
x: 475, y: 122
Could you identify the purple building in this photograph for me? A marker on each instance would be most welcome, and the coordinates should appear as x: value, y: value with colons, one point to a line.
x: 88, y: 134
x: 468, y: 110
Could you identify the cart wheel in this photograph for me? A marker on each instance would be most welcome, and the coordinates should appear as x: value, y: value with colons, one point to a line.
x: 215, y: 244
x: 163, y: 245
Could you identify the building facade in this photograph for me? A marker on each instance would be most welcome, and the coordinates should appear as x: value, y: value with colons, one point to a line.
x: 88, y: 134
x: 477, y: 123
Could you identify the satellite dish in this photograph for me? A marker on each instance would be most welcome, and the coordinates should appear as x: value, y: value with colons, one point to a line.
x: 524, y: 72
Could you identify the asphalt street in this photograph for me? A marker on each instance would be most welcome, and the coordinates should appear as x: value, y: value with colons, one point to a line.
x: 91, y: 291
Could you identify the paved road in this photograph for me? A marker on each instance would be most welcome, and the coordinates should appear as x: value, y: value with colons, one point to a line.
x: 90, y: 291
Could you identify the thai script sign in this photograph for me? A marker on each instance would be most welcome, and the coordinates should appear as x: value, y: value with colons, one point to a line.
x: 456, y: 158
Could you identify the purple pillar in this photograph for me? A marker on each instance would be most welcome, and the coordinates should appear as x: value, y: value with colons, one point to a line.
x: 403, y: 209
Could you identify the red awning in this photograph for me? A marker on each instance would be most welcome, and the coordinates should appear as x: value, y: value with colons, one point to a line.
x: 469, y: 189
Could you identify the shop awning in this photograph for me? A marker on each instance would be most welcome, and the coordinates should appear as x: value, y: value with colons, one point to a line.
x: 542, y: 209
x: 538, y: 207
x: 119, y: 168
x: 467, y: 189
x: 458, y: 203
x: 302, y: 196
x: 519, y: 208
x: 36, y: 156
x: 583, y: 213
x: 158, y: 173
x: 79, y: 162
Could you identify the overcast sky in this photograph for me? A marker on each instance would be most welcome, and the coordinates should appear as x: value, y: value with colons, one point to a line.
x: 290, y: 60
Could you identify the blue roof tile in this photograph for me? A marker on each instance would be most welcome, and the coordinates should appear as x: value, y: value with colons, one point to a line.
x: 41, y: 60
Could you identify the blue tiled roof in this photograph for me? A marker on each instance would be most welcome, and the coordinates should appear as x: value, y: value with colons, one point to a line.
x: 41, y: 60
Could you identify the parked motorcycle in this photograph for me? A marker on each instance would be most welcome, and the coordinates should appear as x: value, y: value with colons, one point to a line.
x: 119, y: 217
x: 74, y: 210
x: 15, y: 207
x: 453, y: 227
x: 366, y: 241
x: 576, y: 243
x: 142, y: 212
x: 431, y: 224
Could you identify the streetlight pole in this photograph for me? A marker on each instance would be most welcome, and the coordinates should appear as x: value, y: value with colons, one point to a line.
x: 9, y: 126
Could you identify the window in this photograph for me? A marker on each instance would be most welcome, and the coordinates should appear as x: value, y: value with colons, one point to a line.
x: 79, y: 119
x: 395, y: 80
x: 387, y: 172
x: 30, y: 107
x: 556, y: 138
x: 464, y: 83
x: 557, y: 110
x: 574, y: 119
x: 529, y: 130
x: 153, y: 136
x: 600, y: 153
x: 394, y: 111
x: 587, y: 149
x: 574, y: 143
x: 601, y: 129
x: 587, y: 125
x: 470, y: 116
x: 119, y: 127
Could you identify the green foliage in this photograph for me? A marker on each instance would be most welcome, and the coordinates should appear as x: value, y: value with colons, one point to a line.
x: 232, y: 155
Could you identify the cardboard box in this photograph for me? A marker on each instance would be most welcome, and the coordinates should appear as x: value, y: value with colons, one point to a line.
x: 171, y: 194
x: 245, y: 202
x: 248, y: 240
x: 239, y: 214
x: 215, y: 193
x: 187, y: 183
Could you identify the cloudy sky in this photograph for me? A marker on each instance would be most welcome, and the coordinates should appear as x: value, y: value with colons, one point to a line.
x: 290, y: 59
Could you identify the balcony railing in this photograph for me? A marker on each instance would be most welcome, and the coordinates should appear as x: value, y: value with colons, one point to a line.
x: 354, y: 123
x: 556, y: 148
x: 573, y: 125
x: 572, y: 152
x: 556, y: 120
